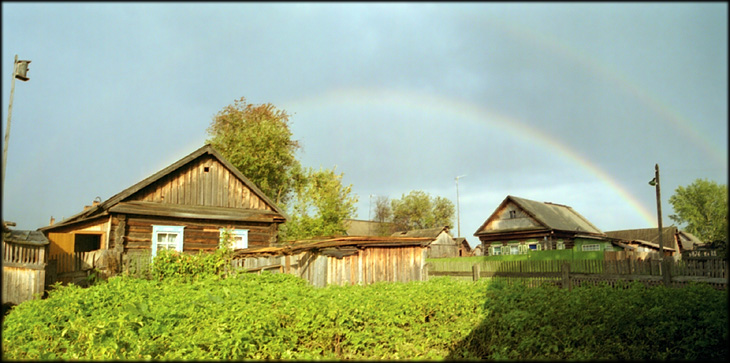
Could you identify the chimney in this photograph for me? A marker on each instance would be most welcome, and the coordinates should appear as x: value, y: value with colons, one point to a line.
x: 53, y: 220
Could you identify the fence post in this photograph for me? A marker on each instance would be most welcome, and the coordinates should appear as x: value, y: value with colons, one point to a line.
x: 566, y: 276
x: 476, y: 271
x: 666, y: 274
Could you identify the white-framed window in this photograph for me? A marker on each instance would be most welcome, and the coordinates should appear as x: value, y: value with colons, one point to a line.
x: 496, y: 250
x: 591, y: 247
x: 534, y: 246
x: 514, y: 249
x: 239, y: 236
x: 560, y: 245
x: 167, y: 238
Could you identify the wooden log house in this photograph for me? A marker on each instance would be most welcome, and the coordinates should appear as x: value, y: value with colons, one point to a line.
x: 184, y: 207
x: 519, y: 225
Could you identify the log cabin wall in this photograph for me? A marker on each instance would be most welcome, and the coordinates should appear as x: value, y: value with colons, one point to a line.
x: 198, y: 235
x: 204, y: 181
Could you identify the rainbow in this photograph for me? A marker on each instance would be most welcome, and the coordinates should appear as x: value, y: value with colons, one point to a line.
x: 617, y: 78
x: 456, y: 109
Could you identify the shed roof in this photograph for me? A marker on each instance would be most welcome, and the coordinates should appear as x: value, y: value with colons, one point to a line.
x: 343, y: 241
x: 644, y: 234
x: 33, y: 238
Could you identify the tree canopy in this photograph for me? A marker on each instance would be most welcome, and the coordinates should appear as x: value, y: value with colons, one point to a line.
x: 257, y: 140
x: 418, y: 210
x: 320, y: 205
x: 702, y: 206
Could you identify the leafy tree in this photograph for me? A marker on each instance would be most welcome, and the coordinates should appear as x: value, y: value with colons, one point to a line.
x: 702, y: 205
x: 384, y: 215
x: 320, y: 205
x: 418, y: 210
x: 257, y: 140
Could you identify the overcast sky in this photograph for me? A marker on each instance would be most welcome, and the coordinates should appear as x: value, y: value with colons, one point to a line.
x: 566, y: 103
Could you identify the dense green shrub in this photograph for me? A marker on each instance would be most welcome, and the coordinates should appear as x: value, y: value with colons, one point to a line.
x: 600, y: 322
x: 279, y: 316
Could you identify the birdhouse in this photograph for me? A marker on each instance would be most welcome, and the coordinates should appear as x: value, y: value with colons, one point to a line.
x: 21, y: 70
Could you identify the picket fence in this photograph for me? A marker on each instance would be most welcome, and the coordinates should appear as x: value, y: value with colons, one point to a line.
x: 712, y: 271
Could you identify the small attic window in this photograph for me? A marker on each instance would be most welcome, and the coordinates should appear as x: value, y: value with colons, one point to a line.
x: 512, y: 214
x: 206, y: 169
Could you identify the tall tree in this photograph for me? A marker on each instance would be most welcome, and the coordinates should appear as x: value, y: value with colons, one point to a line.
x: 384, y: 215
x: 320, y: 205
x: 418, y: 210
x: 702, y: 206
x: 257, y: 140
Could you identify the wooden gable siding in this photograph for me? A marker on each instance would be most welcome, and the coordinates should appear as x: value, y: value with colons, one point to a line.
x: 192, y: 185
x: 199, y: 234
x: 521, y: 220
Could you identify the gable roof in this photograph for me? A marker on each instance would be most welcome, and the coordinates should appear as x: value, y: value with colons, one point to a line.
x: 426, y: 232
x: 101, y: 208
x: 672, y: 234
x: 357, y: 227
x: 550, y: 216
x: 644, y: 234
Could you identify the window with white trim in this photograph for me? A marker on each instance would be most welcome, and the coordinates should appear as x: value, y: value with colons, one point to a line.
x: 496, y: 250
x: 560, y: 245
x: 591, y: 247
x: 239, y: 237
x: 167, y: 238
x: 514, y: 249
x: 534, y: 247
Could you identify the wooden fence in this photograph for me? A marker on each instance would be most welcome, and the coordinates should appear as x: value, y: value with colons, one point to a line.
x: 70, y: 267
x: 23, y: 272
x: 589, y: 272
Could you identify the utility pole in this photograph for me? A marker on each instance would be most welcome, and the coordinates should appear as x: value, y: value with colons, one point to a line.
x: 458, y: 220
x: 370, y: 208
x: 655, y: 182
x: 20, y: 71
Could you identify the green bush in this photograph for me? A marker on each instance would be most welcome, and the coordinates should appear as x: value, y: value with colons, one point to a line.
x: 282, y: 317
x: 600, y: 322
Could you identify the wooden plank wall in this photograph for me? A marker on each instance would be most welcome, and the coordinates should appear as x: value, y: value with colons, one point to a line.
x: 192, y: 185
x: 368, y: 265
x: 22, y: 284
x: 24, y: 272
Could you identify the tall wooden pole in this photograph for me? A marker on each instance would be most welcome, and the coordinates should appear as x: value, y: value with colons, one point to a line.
x: 7, y: 128
x: 458, y: 220
x: 659, y: 211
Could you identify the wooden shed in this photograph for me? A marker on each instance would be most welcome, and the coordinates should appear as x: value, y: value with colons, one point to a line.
x: 184, y: 207
x: 24, y: 261
x: 443, y: 244
x: 348, y: 260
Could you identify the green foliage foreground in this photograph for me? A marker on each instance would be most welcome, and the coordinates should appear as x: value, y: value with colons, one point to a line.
x: 278, y: 316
